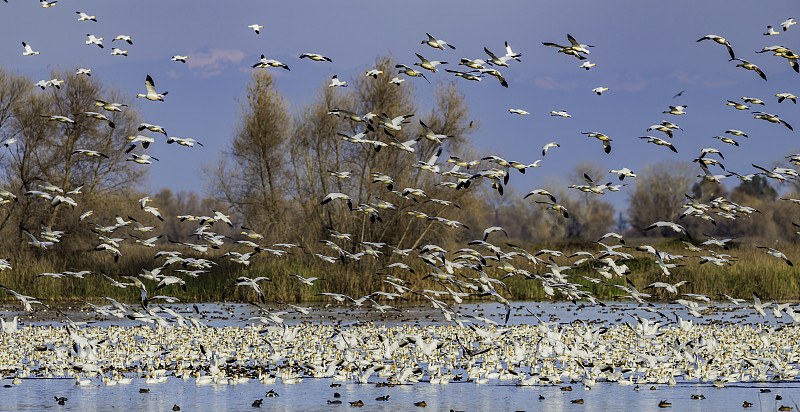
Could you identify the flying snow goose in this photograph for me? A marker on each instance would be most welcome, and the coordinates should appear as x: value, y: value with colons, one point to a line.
x: 771, y: 118
x: 497, y: 61
x: 57, y: 118
x: 84, y: 17
x: 334, y: 196
x: 187, y: 142
x: 111, y: 107
x: 436, y: 43
x: 783, y: 96
x: 316, y: 57
x: 141, y: 159
x: 256, y: 28
x: 265, y: 62
x: 464, y: 75
x: 427, y: 64
x: 788, y: 23
x: 98, y: 116
x: 28, y: 50
x: 676, y: 110
x: 430, y: 135
x: 335, y: 82
x: 408, y: 71
x: 151, y: 94
x: 603, y: 138
x: 91, y: 39
x: 373, y: 73
x: 777, y: 254
x: 123, y: 37
x: 145, y: 140
x: 750, y: 66
x: 179, y: 58
x: 152, y: 127
x: 720, y: 40
x: 623, y: 173
x: 511, y: 53
x: 90, y: 153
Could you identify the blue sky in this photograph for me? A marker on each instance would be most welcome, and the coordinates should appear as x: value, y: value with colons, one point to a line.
x: 645, y: 53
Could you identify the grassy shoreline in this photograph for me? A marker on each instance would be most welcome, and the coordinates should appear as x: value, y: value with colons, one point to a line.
x: 752, y: 271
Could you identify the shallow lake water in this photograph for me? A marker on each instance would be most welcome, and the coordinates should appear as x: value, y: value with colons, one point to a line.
x: 314, y: 394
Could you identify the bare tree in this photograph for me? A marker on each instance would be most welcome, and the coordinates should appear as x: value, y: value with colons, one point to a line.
x: 250, y: 177
x: 660, y: 192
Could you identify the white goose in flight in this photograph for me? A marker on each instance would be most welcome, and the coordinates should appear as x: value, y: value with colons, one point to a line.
x: 85, y: 17
x: 28, y: 50
x: 771, y: 118
x: 265, y: 62
x: 98, y: 116
x: 335, y: 82
x: 187, y: 142
x: 91, y: 39
x: 152, y: 127
x: 430, y: 135
x: 151, y: 94
x: 408, y: 71
x: 316, y: 57
x: 776, y: 253
x: 123, y: 37
x: 427, y: 64
x: 720, y: 40
x: 141, y: 159
x: 603, y: 138
x: 336, y: 195
x: 436, y: 43
x: 750, y: 66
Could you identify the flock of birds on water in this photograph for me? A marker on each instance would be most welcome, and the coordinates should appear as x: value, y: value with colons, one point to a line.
x: 170, y: 342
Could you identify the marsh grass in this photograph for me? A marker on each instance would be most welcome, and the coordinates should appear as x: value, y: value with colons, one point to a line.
x: 752, y: 271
